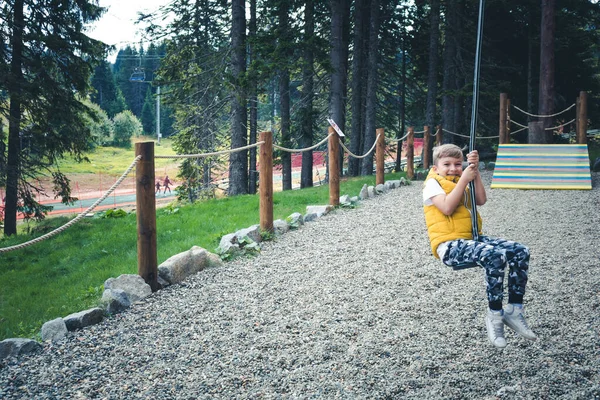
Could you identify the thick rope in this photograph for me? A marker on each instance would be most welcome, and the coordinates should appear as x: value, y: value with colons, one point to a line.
x: 561, y: 125
x: 519, y: 130
x: 397, y: 140
x: 78, y: 217
x: 544, y: 116
x: 518, y: 124
x: 364, y: 155
x: 455, y: 134
x: 302, y: 150
x: 216, y: 153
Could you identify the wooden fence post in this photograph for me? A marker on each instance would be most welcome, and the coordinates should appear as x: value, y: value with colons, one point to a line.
x: 146, y: 214
x: 265, y: 185
x: 380, y: 158
x: 425, y: 153
x: 439, y: 136
x: 582, y: 122
x: 334, y: 170
x: 503, y: 118
x: 410, y: 153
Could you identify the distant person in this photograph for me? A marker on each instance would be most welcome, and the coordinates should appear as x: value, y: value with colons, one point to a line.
x: 166, y: 184
x: 157, y: 186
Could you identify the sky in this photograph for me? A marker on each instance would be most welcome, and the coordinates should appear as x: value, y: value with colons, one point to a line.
x: 116, y: 27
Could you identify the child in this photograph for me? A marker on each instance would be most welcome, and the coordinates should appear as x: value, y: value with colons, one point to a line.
x: 448, y: 216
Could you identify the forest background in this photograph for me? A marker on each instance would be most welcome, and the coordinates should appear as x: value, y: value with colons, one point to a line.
x: 229, y: 69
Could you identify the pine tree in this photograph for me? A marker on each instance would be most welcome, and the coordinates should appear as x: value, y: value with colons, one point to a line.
x: 46, y: 70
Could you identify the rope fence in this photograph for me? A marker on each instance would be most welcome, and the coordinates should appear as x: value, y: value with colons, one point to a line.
x: 216, y: 153
x: 78, y: 217
x: 302, y: 150
x: 545, y: 116
x: 364, y: 155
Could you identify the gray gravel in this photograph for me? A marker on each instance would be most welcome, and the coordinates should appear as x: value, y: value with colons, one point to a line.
x: 352, y: 306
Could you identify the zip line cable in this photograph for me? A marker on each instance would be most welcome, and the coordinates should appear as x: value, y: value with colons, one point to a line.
x: 474, y: 226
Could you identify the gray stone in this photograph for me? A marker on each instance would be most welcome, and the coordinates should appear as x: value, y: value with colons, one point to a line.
x: 389, y: 185
x: 309, y: 217
x: 54, y: 330
x: 420, y: 175
x: 371, y: 192
x: 345, y: 199
x: 481, y: 166
x: 491, y: 165
x: 252, y: 232
x: 403, y: 181
x: 15, y: 347
x: 596, y: 165
x: 295, y: 220
x: 116, y: 300
x: 229, y: 244
x: 319, y: 210
x: 354, y: 199
x: 162, y: 282
x: 280, y: 227
x: 180, y: 266
x: 364, y: 192
x: 85, y: 318
x: 133, y: 285
x: 380, y: 189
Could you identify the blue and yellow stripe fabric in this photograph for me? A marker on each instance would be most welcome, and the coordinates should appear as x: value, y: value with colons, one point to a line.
x: 542, y: 166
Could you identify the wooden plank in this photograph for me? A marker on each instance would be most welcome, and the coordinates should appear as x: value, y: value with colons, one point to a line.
x: 542, y: 166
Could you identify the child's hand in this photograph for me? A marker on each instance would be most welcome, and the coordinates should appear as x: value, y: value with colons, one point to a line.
x: 473, y: 157
x: 470, y: 173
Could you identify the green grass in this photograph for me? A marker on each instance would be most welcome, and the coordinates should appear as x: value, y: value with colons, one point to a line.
x: 115, y: 160
x: 66, y: 273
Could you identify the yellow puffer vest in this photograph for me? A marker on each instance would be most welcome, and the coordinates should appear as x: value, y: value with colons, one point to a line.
x: 442, y: 228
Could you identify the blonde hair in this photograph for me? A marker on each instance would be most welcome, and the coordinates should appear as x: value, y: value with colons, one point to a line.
x: 446, y: 150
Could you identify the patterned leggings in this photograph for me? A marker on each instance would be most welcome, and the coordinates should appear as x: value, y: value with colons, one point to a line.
x: 492, y: 254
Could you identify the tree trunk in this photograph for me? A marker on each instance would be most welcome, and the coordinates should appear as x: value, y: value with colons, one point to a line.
x: 345, y: 52
x: 546, y: 89
x: 402, y: 98
x: 449, y: 82
x: 339, y: 61
x: 372, y: 81
x: 530, y: 63
x: 253, y: 99
x: 238, y: 162
x: 361, y: 29
x: 15, y: 81
x: 434, y: 38
x: 284, y: 95
x: 306, y: 135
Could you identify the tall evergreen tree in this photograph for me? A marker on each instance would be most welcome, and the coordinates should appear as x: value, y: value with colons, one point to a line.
x: 372, y: 85
x: 252, y: 98
x: 238, y: 161
x: 106, y: 94
x: 307, y: 113
x: 359, y: 72
x: 191, y: 76
x: 47, y: 61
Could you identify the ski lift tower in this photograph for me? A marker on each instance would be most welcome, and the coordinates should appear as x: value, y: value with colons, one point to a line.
x: 139, y: 76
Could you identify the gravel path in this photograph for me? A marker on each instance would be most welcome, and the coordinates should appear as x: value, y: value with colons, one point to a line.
x: 352, y: 306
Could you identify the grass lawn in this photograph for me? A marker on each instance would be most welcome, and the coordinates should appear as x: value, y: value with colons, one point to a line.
x: 66, y: 273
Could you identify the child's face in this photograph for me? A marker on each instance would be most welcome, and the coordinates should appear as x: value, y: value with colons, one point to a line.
x: 448, y: 166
